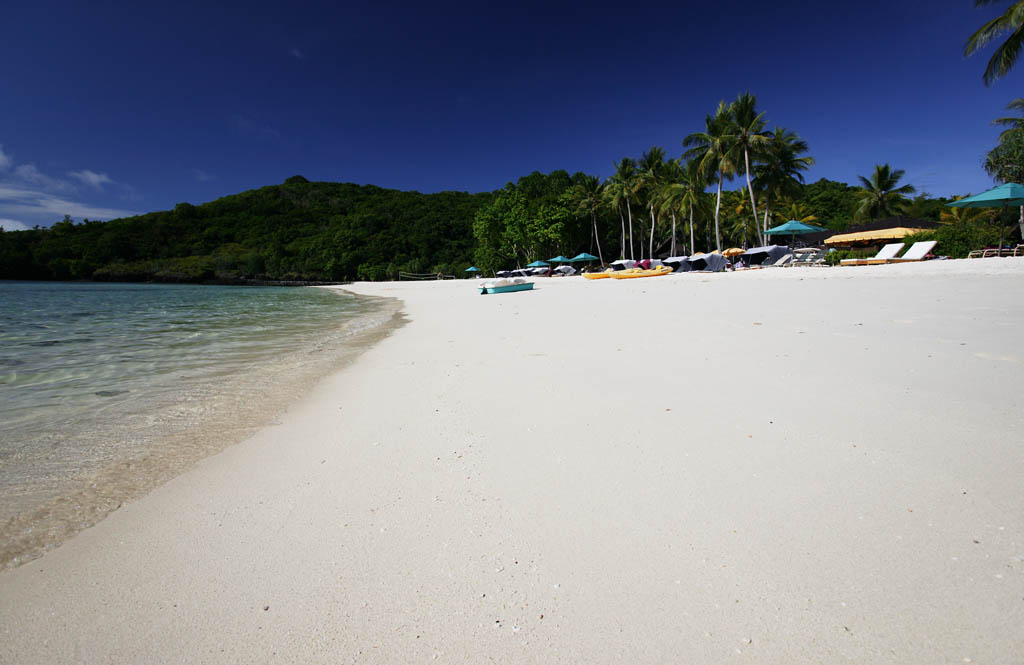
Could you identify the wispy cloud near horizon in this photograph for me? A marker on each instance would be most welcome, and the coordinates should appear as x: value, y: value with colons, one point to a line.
x: 29, y: 196
x: 13, y: 225
x: 297, y: 54
x: 5, y: 161
x: 203, y: 176
x: 91, y: 178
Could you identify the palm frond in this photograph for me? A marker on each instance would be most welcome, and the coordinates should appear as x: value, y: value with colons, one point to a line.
x: 1005, y: 56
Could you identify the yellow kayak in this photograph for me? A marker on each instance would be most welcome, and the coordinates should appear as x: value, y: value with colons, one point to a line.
x: 597, y: 275
x: 633, y: 273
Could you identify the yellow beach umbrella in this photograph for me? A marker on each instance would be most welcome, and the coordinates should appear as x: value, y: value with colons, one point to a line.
x: 732, y: 251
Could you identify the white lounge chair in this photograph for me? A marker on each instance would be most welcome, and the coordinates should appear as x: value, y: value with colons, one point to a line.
x: 917, y: 251
x: 884, y: 255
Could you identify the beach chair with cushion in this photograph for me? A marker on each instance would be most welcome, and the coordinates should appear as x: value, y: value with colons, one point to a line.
x: 917, y: 252
x: 821, y: 259
x: 811, y: 258
x: 884, y: 255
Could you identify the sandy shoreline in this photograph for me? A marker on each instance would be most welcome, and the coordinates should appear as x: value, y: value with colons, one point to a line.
x: 779, y: 466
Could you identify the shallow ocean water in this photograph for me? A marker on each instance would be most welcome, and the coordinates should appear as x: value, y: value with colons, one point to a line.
x: 107, y: 390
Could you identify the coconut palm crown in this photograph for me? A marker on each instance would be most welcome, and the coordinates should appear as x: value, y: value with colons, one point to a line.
x: 621, y: 190
x: 1012, y: 123
x: 747, y: 134
x: 715, y: 153
x: 880, y: 196
x: 1005, y: 56
x: 779, y: 172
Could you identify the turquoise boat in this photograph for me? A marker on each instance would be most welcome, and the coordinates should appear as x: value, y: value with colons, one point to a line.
x: 506, y: 288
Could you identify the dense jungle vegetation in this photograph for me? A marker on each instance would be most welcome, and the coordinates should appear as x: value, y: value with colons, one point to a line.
x: 650, y: 206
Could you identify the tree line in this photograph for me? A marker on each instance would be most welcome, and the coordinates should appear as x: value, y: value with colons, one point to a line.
x: 651, y: 205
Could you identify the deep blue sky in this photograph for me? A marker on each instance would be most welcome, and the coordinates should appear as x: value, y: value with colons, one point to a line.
x: 109, y: 108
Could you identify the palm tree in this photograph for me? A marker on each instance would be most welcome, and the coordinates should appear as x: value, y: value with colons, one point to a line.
x: 670, y: 195
x: 951, y: 215
x: 779, y: 171
x: 880, y: 196
x: 801, y: 212
x: 1005, y: 56
x: 589, y: 197
x: 620, y: 189
x: 748, y: 135
x: 651, y: 166
x: 1012, y: 124
x: 714, y: 150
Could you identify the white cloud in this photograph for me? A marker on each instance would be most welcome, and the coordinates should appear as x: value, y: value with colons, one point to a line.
x: 5, y: 160
x: 29, y: 194
x: 297, y: 54
x: 13, y: 225
x: 203, y: 176
x: 28, y: 174
x: 91, y: 178
x: 21, y: 201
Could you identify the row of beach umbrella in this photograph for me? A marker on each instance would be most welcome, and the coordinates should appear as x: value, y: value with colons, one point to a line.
x: 583, y: 256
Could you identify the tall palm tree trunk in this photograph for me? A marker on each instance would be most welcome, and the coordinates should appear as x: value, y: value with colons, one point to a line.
x: 750, y: 189
x: 622, y: 237
x: 650, y: 253
x: 630, y: 211
x: 673, y: 233
x: 718, y: 207
x: 691, y: 228
x: 600, y: 256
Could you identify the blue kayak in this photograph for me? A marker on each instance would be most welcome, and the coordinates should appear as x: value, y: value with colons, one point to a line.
x: 525, y: 286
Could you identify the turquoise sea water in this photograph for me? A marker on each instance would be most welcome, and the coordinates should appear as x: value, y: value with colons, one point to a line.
x: 109, y: 389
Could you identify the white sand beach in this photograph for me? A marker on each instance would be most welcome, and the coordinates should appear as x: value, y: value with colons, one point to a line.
x: 780, y: 466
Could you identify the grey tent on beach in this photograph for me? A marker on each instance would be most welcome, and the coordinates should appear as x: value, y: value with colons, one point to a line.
x: 766, y: 255
x: 677, y: 263
x: 707, y: 263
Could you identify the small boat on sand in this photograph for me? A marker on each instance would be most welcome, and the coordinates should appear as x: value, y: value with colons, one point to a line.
x: 505, y: 286
x: 598, y: 275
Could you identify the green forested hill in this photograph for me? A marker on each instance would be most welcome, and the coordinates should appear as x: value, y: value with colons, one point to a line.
x: 298, y: 230
x: 322, y: 231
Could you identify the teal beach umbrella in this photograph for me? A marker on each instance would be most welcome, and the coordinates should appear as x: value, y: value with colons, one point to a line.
x: 472, y: 269
x: 793, y: 227
x: 559, y: 259
x: 1009, y: 194
x: 583, y: 256
x: 1003, y: 196
x: 537, y: 264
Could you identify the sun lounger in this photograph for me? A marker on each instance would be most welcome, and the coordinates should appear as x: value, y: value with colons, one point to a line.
x: 812, y: 258
x: 884, y: 255
x: 778, y: 263
x: 990, y: 252
x: 917, y: 252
